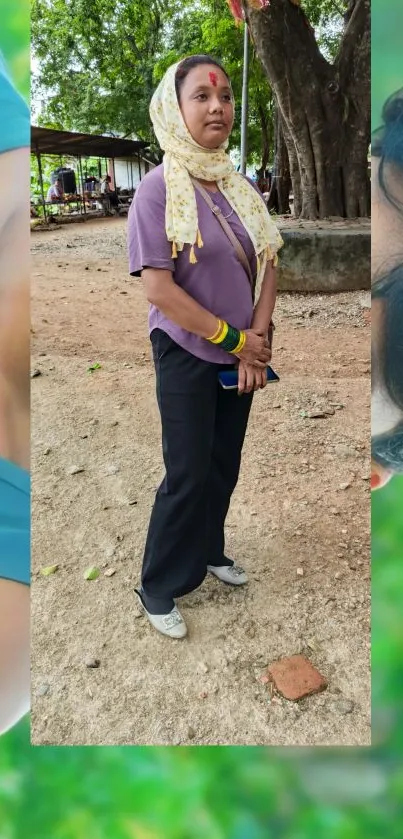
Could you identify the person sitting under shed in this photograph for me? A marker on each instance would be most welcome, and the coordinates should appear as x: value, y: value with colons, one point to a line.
x: 109, y: 194
x: 55, y: 192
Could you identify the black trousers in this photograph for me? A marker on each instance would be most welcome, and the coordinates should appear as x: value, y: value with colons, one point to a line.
x: 203, y: 430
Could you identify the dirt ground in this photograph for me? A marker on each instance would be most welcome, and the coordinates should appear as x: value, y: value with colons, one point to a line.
x: 302, y: 502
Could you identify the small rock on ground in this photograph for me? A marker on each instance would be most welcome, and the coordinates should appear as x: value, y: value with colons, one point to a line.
x: 295, y: 677
x: 93, y: 663
x: 343, y: 706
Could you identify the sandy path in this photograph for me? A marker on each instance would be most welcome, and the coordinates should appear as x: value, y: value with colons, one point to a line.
x: 302, y: 502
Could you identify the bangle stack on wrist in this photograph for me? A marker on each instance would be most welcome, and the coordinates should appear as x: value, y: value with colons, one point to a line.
x: 228, y: 338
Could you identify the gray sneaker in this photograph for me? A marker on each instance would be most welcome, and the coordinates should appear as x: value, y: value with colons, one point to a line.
x: 171, y: 624
x: 232, y: 574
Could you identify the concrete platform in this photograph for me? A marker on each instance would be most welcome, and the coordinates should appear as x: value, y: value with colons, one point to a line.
x: 321, y: 257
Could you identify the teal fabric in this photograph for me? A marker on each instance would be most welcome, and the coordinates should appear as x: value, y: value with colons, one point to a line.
x: 14, y: 481
x: 14, y: 522
x: 14, y: 112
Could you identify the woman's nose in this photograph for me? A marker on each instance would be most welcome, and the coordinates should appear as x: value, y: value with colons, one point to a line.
x: 216, y: 105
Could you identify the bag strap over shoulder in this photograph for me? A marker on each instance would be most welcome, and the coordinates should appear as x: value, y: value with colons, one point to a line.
x: 229, y: 232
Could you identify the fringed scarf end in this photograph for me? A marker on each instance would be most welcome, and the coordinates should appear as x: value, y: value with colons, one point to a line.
x: 273, y: 257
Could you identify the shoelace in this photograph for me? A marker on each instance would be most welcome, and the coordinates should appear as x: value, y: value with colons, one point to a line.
x: 172, y: 619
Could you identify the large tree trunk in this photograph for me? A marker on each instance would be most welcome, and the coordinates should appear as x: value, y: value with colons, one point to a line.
x: 264, y: 124
x: 325, y: 108
x: 279, y: 198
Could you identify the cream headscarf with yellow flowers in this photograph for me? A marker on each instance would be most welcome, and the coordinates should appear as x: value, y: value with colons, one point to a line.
x: 183, y: 159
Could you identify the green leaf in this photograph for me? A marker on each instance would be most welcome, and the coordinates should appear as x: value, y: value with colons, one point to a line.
x: 48, y: 570
x: 92, y: 573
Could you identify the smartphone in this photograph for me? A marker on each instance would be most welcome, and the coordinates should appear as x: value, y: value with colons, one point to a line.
x: 229, y: 378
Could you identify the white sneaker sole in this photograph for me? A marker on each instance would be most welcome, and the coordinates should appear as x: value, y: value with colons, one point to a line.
x: 161, y: 622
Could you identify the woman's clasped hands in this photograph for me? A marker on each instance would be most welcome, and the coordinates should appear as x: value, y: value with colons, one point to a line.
x: 253, y: 360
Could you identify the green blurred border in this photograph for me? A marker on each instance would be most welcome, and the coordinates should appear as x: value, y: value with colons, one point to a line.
x: 15, y: 43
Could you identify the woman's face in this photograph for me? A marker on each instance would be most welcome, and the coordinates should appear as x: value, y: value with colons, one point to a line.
x: 207, y: 105
x: 387, y: 254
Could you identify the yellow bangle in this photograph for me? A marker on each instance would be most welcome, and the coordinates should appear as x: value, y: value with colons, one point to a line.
x: 223, y: 333
x: 241, y: 343
x: 217, y: 332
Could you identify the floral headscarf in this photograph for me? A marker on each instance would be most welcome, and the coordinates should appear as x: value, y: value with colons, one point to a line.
x: 183, y: 159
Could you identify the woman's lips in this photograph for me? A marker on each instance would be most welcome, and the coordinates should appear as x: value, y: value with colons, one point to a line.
x: 375, y: 480
x: 379, y: 475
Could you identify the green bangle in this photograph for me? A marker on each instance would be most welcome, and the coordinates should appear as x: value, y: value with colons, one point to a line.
x: 231, y: 339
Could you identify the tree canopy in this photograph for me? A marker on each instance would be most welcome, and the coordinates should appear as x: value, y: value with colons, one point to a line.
x: 99, y: 62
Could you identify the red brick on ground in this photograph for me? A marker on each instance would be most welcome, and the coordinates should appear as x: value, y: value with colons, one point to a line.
x: 295, y: 677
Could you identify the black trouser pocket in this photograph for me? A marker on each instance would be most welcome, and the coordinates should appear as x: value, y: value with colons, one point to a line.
x: 161, y: 343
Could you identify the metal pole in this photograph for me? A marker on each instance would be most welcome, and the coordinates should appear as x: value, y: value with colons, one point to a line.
x: 114, y: 174
x: 82, y: 186
x: 38, y: 157
x: 244, y: 118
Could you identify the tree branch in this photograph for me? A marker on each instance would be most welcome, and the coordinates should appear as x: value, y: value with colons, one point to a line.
x: 358, y: 27
x: 132, y: 43
x: 337, y: 8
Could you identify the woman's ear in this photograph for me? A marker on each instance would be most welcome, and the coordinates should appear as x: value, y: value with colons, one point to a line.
x: 379, y: 476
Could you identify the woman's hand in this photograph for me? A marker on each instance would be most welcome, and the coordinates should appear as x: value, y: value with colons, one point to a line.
x: 256, y: 350
x: 250, y: 378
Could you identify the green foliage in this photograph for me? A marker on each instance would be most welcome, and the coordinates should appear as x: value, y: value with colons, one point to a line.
x: 96, y: 61
x: 387, y: 638
x: 195, y: 793
x: 99, y: 61
x: 14, y: 41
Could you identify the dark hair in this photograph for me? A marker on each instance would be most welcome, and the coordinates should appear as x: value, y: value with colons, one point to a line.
x: 387, y: 449
x: 387, y: 142
x: 188, y: 64
x: 390, y: 289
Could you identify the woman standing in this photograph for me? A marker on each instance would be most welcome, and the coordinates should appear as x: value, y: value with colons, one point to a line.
x: 14, y: 405
x: 387, y: 295
x: 201, y: 239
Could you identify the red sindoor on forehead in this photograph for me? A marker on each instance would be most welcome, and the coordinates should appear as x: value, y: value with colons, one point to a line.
x: 213, y: 78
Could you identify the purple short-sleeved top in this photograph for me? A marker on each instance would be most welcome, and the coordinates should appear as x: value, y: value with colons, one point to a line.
x: 217, y: 281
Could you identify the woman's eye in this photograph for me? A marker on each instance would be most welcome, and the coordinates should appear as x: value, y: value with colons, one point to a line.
x: 201, y: 96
